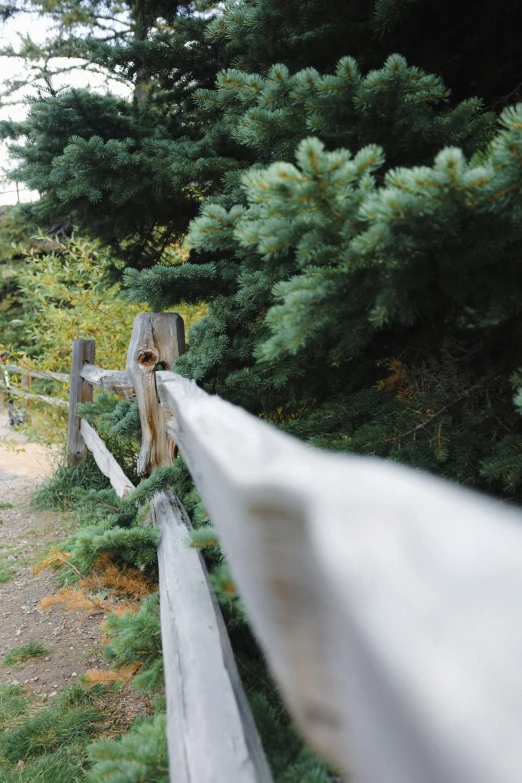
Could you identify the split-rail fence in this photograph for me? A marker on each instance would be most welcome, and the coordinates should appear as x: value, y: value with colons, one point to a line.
x: 388, y: 602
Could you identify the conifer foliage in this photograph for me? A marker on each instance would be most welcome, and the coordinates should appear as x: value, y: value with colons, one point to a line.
x: 353, y: 228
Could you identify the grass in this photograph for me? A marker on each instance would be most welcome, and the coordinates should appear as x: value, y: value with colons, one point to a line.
x: 5, y: 506
x: 5, y: 575
x: 23, y: 653
x: 64, y: 766
x: 51, y: 741
x: 57, y: 493
x: 13, y: 705
x: 70, y: 720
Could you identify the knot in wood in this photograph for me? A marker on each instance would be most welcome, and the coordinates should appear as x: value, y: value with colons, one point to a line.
x: 148, y: 358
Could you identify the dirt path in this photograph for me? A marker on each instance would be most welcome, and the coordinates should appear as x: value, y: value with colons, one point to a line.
x: 21, y: 459
x: 72, y: 638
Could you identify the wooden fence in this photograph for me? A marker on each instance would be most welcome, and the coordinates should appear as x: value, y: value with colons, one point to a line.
x: 387, y: 602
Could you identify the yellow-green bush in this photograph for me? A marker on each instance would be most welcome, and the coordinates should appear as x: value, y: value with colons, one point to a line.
x: 66, y: 296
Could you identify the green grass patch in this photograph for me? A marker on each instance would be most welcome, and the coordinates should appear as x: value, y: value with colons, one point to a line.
x: 5, y: 575
x: 5, y: 506
x: 13, y: 705
x: 64, y: 766
x: 20, y: 654
x: 58, y: 492
x: 72, y: 719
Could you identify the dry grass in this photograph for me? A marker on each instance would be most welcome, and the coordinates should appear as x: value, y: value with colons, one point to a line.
x: 130, y: 582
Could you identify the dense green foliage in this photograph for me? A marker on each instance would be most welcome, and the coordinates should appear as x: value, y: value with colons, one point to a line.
x: 362, y: 296
x: 13, y: 233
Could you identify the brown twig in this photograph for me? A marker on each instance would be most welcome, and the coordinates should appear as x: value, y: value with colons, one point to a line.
x: 439, y: 412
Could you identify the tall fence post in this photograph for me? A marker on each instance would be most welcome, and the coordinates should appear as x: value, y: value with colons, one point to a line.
x: 157, y: 340
x: 79, y: 391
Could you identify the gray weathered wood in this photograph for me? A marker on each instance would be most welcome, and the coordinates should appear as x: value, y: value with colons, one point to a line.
x: 388, y: 602
x: 212, y: 737
x: 116, y: 381
x: 157, y: 340
x: 45, y: 374
x: 105, y: 461
x: 14, y: 392
x: 79, y: 391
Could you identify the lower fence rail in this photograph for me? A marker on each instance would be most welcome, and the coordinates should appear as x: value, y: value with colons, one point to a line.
x: 212, y: 736
x: 211, y: 732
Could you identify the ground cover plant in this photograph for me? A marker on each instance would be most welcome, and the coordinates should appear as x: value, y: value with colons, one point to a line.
x: 53, y: 744
x: 20, y: 654
x: 12, y: 705
x: 46, y: 744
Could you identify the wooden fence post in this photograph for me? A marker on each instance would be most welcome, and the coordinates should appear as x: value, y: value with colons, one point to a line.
x: 79, y: 391
x: 157, y: 340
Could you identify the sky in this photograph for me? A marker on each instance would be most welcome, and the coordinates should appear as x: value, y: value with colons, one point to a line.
x: 9, y: 67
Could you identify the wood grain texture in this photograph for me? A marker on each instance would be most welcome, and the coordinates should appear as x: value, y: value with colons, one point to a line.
x: 157, y: 340
x: 79, y: 391
x: 388, y: 602
x: 116, y: 381
x: 212, y: 737
x: 105, y: 461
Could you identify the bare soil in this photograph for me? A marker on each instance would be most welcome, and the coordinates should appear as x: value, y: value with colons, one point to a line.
x: 71, y: 637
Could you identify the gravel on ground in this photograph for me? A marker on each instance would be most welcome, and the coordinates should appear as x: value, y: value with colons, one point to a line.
x: 71, y: 637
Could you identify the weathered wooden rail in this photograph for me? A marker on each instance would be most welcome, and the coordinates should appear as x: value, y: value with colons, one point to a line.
x: 27, y: 377
x: 388, y: 603
x: 30, y: 373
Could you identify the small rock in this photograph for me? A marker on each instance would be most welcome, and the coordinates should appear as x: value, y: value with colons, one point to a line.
x: 47, y: 658
x: 35, y: 679
x: 53, y: 693
x: 15, y: 682
x: 18, y: 632
x: 74, y: 674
